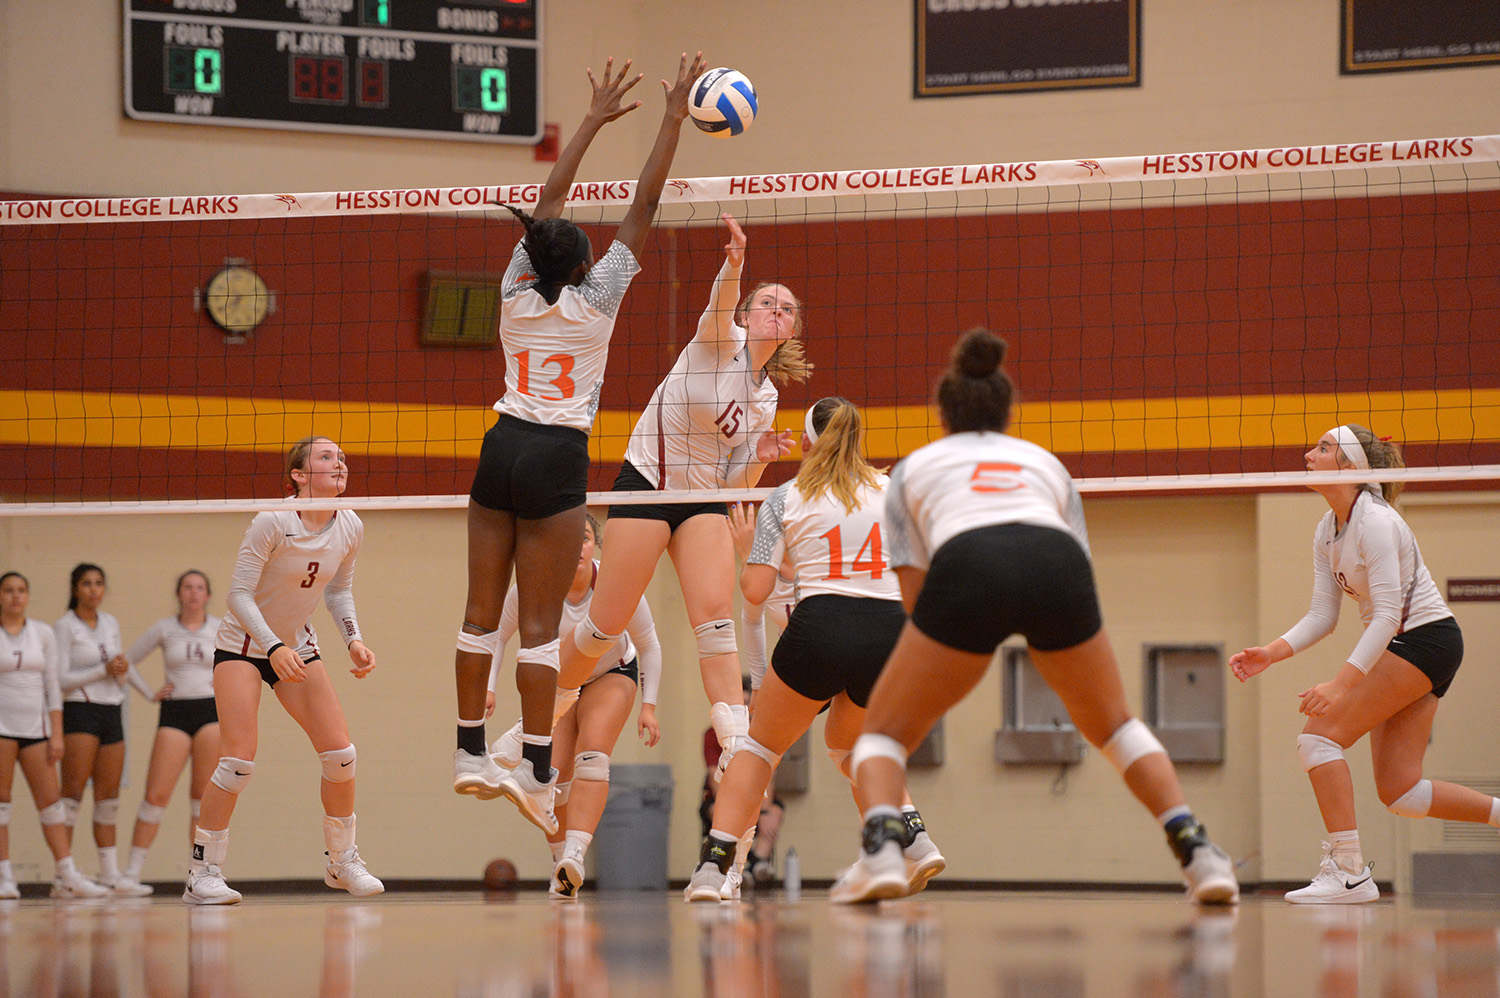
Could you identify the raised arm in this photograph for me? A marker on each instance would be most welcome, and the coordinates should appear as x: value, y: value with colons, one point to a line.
x: 603, y: 108
x: 714, y: 340
x: 653, y: 177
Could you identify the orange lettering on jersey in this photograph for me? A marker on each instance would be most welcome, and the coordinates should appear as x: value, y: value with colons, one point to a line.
x: 995, y: 476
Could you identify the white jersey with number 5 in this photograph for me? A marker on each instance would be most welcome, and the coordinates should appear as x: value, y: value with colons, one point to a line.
x: 834, y: 552
x: 970, y: 480
x: 281, y: 571
x: 555, y: 353
x: 700, y: 428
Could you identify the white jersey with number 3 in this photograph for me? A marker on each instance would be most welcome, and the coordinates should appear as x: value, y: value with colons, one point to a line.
x: 700, y: 428
x: 971, y: 480
x: 834, y: 552
x: 555, y: 352
x: 282, y: 569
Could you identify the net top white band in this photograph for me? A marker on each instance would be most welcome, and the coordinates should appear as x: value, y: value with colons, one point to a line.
x: 1455, y: 151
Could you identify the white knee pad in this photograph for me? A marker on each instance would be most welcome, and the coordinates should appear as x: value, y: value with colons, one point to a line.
x: 754, y: 747
x: 70, y: 808
x: 1415, y: 803
x: 479, y: 644
x: 546, y: 654
x: 591, y: 641
x: 840, y: 759
x: 107, y: 812
x: 55, y: 813
x: 591, y: 766
x: 150, y: 813
x: 561, y: 792
x: 872, y: 746
x: 232, y: 775
x: 1130, y: 742
x: 716, y: 638
x: 338, y: 765
x: 4, y: 814
x: 1315, y: 751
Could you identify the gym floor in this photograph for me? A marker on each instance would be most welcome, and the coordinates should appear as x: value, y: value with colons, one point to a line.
x: 1023, y: 944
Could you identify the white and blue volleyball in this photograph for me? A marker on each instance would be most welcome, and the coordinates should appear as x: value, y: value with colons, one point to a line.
x: 723, y: 102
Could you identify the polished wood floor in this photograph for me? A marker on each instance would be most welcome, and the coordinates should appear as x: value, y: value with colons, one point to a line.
x: 944, y: 942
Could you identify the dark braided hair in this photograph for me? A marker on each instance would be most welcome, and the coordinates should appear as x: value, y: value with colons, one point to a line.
x: 556, y: 248
x: 974, y: 393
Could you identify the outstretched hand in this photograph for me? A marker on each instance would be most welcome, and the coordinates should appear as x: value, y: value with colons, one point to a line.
x: 605, y: 105
x: 773, y: 445
x: 734, y: 250
x: 687, y: 75
x: 742, y: 527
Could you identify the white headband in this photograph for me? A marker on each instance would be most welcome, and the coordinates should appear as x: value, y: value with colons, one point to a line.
x: 1350, y: 445
x: 807, y: 424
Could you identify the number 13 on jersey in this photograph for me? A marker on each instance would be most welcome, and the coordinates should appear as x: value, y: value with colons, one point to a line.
x: 563, y: 383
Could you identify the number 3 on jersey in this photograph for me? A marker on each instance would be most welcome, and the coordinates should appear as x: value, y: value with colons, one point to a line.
x: 874, y: 563
x: 562, y: 382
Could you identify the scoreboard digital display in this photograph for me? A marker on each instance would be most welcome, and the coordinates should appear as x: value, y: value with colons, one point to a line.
x: 467, y: 70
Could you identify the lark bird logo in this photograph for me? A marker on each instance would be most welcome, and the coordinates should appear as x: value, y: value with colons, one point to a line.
x: 1091, y: 165
x: 290, y: 200
x: 681, y: 185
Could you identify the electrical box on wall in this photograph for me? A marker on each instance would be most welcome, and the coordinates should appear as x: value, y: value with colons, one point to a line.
x: 1036, y: 726
x: 929, y: 754
x: 1185, y: 700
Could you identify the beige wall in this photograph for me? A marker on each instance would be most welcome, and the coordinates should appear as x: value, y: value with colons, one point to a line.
x: 835, y: 83
x: 1218, y: 570
x: 835, y: 93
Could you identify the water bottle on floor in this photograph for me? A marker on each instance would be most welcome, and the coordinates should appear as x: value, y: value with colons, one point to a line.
x: 791, y: 877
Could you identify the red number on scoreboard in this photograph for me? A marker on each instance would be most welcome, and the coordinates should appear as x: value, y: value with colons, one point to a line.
x: 318, y: 80
x: 372, y: 77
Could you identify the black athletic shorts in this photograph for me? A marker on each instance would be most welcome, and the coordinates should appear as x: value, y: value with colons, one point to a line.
x: 99, y: 719
x: 673, y: 514
x: 531, y: 469
x: 837, y: 644
x: 630, y: 670
x: 267, y: 671
x: 188, y: 715
x: 1436, y: 649
x: 23, y: 743
x: 1011, y: 578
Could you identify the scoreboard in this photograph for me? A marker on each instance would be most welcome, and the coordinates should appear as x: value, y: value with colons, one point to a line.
x: 465, y: 70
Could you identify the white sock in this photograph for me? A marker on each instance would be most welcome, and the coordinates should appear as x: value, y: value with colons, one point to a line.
x: 66, y: 867
x: 1346, y: 851
x: 109, y: 864
x: 1172, y: 814
x: 137, y: 862
x: 557, y: 850
x: 577, y: 842
x: 338, y: 835
x: 1495, y: 811
x: 5, y: 873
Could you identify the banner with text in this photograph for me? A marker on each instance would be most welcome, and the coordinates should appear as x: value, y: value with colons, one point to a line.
x: 1381, y: 36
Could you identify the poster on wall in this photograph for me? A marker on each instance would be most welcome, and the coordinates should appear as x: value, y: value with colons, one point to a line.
x: 1382, y: 36
x: 994, y: 46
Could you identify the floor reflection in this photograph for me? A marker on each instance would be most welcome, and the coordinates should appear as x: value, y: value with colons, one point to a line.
x: 622, y: 946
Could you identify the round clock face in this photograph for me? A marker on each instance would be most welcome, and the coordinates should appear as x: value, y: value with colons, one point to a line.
x: 237, y: 299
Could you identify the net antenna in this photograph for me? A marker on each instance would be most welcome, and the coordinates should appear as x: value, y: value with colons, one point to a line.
x: 1177, y: 322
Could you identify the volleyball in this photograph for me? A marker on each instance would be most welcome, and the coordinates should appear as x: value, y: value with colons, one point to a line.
x: 723, y: 102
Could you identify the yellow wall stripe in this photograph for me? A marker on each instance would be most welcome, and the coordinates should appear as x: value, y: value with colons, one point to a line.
x: 103, y: 419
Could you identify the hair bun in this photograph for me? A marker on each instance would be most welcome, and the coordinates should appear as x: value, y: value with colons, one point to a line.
x: 978, y: 354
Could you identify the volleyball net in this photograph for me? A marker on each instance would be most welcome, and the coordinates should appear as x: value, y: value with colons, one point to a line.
x: 1176, y: 322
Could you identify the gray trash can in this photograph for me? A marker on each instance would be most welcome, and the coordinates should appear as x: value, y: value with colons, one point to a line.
x: 630, y: 845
